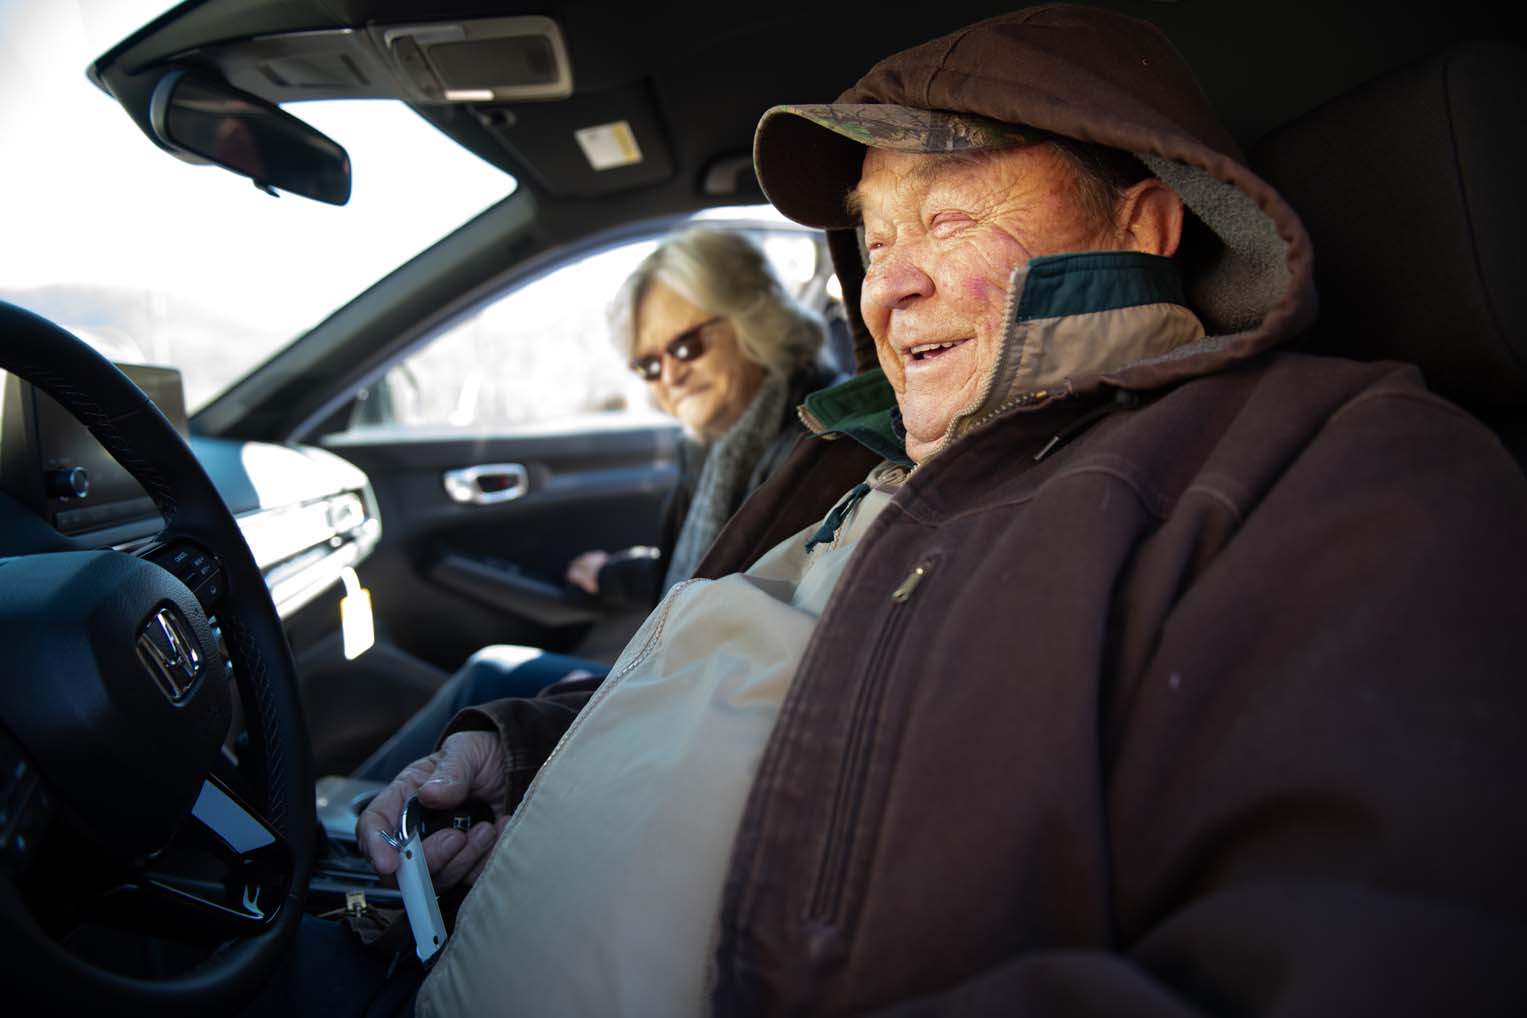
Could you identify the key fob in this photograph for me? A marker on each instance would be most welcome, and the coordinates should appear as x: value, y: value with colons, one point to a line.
x: 459, y: 817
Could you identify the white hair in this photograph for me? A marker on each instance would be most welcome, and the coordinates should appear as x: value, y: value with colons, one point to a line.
x: 725, y: 273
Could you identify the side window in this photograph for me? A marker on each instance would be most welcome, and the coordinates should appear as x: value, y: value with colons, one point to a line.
x: 541, y: 357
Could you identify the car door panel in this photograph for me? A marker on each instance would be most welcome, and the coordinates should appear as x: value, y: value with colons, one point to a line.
x: 449, y: 577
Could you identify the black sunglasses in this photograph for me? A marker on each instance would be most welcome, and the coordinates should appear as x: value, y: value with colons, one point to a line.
x: 687, y: 346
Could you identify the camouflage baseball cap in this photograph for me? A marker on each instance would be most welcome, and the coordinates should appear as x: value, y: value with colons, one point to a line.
x: 808, y: 156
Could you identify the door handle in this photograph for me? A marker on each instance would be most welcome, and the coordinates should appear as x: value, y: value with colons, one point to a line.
x: 487, y: 484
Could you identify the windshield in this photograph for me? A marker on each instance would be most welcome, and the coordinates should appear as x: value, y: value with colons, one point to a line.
x: 153, y: 260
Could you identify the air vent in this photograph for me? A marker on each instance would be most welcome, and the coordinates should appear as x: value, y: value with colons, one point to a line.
x: 492, y: 60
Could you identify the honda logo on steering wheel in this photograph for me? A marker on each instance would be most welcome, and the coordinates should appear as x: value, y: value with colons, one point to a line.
x: 169, y: 652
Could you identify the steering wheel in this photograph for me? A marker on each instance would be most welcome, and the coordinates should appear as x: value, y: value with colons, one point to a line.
x: 114, y: 711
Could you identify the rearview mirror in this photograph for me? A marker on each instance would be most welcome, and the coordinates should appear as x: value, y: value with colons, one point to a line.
x: 204, y: 120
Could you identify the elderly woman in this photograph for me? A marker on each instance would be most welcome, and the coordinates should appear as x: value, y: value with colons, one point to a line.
x: 727, y: 351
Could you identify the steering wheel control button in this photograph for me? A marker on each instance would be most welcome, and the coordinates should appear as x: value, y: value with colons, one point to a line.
x: 195, y: 568
x: 23, y: 808
x: 210, y: 590
x: 221, y: 649
x: 199, y: 565
x: 169, y: 652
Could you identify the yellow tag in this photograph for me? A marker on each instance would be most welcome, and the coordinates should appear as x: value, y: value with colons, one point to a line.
x: 607, y: 146
x: 355, y: 622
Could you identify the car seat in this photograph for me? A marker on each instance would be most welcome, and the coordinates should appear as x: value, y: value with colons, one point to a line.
x: 1410, y: 187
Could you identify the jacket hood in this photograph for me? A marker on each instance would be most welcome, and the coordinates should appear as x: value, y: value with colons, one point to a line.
x: 1098, y: 77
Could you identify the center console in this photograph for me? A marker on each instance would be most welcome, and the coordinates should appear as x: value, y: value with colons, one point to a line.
x: 341, y: 868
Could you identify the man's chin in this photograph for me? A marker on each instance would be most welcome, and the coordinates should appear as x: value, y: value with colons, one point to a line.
x: 922, y: 441
x: 919, y: 451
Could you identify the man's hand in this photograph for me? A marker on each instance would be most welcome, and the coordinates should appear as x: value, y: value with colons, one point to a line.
x: 583, y: 571
x: 468, y: 765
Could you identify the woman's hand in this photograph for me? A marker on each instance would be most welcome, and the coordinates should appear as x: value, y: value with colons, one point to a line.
x: 583, y: 571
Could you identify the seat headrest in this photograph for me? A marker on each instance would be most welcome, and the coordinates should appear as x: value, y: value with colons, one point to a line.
x: 1411, y: 189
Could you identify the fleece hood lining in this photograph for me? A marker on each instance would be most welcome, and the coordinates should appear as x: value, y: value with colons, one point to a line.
x: 1233, y: 286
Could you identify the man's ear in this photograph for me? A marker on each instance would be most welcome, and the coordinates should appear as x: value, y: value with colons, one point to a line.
x: 1150, y: 218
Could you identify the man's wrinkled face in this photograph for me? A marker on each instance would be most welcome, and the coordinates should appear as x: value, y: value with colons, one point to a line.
x: 944, y: 235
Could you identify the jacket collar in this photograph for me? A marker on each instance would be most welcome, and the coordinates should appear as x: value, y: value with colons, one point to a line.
x: 863, y: 409
x: 1070, y: 319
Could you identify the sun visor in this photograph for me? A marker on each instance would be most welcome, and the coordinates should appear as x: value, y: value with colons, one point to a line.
x: 486, y: 60
x: 585, y: 145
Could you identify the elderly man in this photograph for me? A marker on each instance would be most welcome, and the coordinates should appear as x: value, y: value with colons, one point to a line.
x: 1096, y: 659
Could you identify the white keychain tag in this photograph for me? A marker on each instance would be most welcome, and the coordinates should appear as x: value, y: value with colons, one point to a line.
x: 418, y: 891
x: 355, y: 622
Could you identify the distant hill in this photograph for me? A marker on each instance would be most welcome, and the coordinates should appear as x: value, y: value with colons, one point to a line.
x: 210, y: 346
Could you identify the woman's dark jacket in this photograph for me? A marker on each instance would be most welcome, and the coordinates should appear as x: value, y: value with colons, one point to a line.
x: 636, y: 582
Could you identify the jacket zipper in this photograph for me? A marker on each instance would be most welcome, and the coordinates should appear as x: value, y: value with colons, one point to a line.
x: 826, y: 902
x: 1022, y: 399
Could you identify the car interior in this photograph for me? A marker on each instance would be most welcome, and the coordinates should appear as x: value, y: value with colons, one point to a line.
x: 261, y: 516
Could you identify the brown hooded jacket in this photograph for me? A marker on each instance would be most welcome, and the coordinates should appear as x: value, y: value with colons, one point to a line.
x: 1205, y: 712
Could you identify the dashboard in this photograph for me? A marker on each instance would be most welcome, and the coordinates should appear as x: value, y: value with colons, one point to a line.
x: 306, y: 513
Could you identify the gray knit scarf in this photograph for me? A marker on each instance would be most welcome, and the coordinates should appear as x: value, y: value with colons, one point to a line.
x: 723, y: 484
